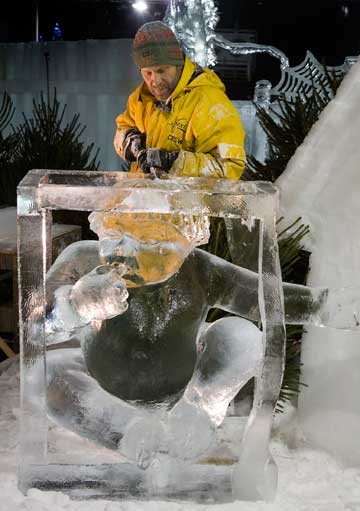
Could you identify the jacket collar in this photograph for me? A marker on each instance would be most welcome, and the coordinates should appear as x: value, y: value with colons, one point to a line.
x: 186, y: 75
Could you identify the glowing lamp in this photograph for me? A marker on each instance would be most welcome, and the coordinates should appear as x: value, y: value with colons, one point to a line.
x: 140, y: 6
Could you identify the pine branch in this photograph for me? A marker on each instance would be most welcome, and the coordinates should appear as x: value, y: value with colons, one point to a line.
x: 6, y: 111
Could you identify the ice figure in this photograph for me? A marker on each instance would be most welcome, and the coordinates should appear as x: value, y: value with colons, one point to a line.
x: 147, y: 353
x: 194, y: 23
x: 152, y: 380
x: 321, y: 185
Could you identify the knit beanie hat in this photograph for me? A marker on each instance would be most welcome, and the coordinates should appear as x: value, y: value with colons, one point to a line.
x: 155, y: 44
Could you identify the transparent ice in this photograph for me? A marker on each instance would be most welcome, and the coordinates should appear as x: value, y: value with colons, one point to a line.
x: 144, y: 375
x: 194, y: 24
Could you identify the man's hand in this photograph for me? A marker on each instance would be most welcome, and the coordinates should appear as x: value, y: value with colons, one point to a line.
x: 156, y: 158
x: 133, y: 143
x: 101, y: 294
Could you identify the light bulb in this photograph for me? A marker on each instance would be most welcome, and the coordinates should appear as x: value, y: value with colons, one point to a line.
x: 140, y: 6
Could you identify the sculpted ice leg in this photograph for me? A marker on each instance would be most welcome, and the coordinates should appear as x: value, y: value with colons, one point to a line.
x: 229, y: 353
x: 76, y: 401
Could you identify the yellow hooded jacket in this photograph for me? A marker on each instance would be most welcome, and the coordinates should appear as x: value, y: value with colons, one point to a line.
x: 202, y: 124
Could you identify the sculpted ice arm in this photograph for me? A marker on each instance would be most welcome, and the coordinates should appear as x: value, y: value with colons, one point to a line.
x: 80, y: 290
x: 229, y: 287
x: 76, y: 260
x: 235, y: 290
x: 320, y: 306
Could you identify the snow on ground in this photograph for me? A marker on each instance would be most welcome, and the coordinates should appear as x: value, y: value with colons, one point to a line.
x: 309, y: 479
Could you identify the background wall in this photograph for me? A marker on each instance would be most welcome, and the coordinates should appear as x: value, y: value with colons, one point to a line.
x: 94, y: 79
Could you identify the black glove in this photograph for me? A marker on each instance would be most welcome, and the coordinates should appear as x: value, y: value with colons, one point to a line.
x: 157, y: 158
x: 142, y: 161
x: 133, y: 143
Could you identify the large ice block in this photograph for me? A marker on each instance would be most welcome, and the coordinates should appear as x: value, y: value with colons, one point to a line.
x: 166, y: 451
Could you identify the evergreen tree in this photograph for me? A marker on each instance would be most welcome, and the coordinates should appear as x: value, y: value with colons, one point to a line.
x: 45, y: 141
x: 8, y: 143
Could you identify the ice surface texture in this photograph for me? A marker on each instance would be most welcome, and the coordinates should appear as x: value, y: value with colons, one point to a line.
x: 152, y: 379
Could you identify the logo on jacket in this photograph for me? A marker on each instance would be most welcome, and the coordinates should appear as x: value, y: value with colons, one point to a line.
x: 177, y: 131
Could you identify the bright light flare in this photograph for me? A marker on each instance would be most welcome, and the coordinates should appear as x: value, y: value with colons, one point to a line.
x: 140, y: 6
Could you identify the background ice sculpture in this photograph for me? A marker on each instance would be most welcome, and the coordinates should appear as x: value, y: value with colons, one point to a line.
x: 175, y: 446
x: 300, y: 79
x: 194, y: 23
x: 325, y: 169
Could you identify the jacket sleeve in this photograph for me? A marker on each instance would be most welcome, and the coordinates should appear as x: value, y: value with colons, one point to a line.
x: 124, y: 122
x: 218, y: 140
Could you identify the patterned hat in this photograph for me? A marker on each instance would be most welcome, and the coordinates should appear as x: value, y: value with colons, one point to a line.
x: 155, y: 44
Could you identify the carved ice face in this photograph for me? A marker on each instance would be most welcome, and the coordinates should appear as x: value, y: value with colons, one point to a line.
x: 153, y: 246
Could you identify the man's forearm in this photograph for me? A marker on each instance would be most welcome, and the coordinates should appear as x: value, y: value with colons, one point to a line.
x: 196, y: 164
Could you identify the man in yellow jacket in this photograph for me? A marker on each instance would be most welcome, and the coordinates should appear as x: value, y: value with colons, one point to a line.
x: 179, y: 120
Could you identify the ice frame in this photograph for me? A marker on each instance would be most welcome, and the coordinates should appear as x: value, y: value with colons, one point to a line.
x: 42, y: 191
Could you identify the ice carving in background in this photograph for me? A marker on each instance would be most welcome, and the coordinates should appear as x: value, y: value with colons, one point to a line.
x: 194, y: 23
x: 251, y: 48
x: 321, y: 185
x: 301, y: 78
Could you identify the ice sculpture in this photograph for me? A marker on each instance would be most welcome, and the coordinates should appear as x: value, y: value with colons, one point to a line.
x: 300, y: 79
x: 194, y: 23
x: 152, y: 380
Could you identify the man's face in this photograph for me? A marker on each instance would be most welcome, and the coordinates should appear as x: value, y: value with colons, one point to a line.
x: 161, y: 80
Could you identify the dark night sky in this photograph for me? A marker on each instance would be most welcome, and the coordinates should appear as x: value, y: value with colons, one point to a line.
x: 329, y: 28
